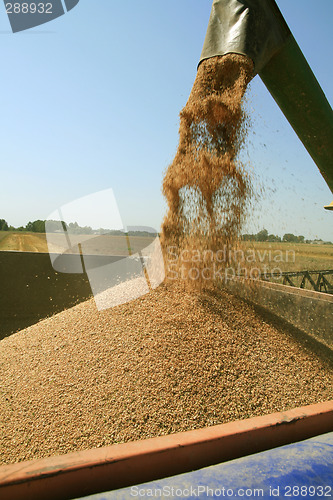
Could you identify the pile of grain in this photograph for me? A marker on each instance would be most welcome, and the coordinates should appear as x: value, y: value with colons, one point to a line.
x: 206, y: 187
x: 167, y: 362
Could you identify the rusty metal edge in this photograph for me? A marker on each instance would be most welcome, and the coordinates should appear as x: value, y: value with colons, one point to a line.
x: 93, y: 471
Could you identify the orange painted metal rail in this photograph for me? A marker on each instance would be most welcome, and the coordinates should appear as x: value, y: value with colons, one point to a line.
x: 92, y: 471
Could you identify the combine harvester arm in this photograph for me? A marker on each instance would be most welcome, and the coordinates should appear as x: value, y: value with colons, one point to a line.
x: 257, y: 29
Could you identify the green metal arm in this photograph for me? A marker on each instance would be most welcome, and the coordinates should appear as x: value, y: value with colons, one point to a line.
x: 256, y: 28
x: 294, y: 87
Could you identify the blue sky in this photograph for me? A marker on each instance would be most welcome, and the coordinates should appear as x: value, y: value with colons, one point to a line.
x: 90, y: 101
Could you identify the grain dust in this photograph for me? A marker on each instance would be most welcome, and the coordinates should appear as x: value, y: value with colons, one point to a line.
x: 206, y: 187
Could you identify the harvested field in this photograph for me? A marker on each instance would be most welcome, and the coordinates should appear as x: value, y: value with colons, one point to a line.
x: 3, y: 235
x: 93, y: 244
x: 170, y: 361
x: 291, y: 256
x: 294, y: 256
x: 24, y: 242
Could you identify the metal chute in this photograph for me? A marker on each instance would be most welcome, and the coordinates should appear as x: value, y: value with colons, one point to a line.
x: 257, y: 29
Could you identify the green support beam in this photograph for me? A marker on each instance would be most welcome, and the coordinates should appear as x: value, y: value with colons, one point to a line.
x: 291, y: 82
x: 257, y: 29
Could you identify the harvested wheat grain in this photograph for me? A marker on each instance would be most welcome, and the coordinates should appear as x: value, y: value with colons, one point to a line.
x: 170, y: 361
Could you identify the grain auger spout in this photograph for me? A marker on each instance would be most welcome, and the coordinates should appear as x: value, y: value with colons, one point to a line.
x: 257, y: 29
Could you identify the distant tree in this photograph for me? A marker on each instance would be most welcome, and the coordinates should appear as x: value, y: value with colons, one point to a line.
x: 262, y: 235
x: 74, y: 228
x: 86, y: 230
x: 248, y: 237
x: 3, y: 225
x: 300, y: 239
x: 37, y: 226
x: 52, y: 226
x: 29, y: 226
x: 273, y: 238
x: 289, y: 238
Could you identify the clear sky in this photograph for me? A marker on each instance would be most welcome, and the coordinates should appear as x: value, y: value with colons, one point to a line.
x: 90, y: 101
